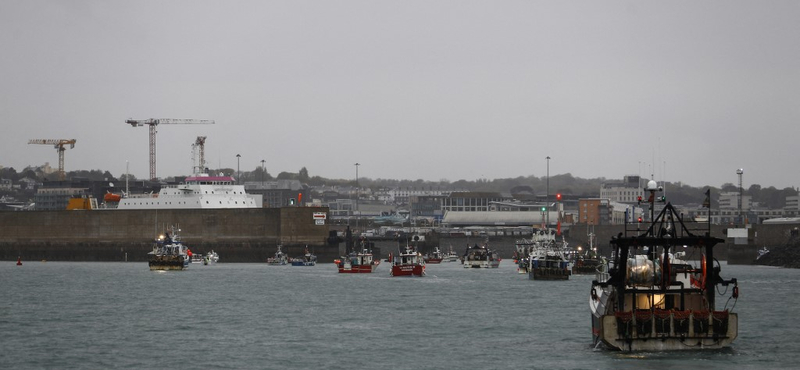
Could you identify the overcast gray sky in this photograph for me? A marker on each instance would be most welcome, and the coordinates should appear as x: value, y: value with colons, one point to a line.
x: 688, y: 90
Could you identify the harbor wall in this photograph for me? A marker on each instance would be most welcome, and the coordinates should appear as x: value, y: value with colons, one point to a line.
x: 238, y: 235
x: 758, y: 236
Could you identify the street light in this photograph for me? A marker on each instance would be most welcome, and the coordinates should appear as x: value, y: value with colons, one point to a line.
x: 238, y: 173
x: 547, y: 195
x: 357, y: 193
x: 357, y: 164
x: 263, y: 172
x: 740, y: 172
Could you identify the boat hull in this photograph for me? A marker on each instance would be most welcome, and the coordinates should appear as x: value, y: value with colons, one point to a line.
x: 476, y: 264
x: 408, y: 270
x: 359, y: 269
x: 433, y: 261
x: 304, y: 263
x: 648, y: 332
x: 168, y: 263
x: 546, y: 273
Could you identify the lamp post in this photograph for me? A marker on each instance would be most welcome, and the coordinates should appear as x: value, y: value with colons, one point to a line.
x: 357, y: 192
x: 740, y: 172
x: 263, y: 172
x: 238, y: 173
x: 547, y: 195
x: 357, y: 189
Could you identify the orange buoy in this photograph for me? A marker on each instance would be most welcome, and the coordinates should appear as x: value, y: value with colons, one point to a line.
x: 19, y: 261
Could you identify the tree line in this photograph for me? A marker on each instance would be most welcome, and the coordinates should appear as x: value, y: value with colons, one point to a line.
x: 566, y: 184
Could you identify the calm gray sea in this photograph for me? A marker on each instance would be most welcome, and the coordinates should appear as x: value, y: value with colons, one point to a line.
x: 73, y: 315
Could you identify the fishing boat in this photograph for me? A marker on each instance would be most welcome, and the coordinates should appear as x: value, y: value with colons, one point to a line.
x: 169, y: 253
x: 451, y: 256
x: 212, y: 257
x: 434, y: 257
x: 480, y: 256
x: 588, y: 262
x: 546, y: 257
x: 408, y: 263
x: 548, y: 262
x: 358, y: 262
x: 651, y: 299
x: 522, y: 254
x: 279, y: 259
x: 308, y: 259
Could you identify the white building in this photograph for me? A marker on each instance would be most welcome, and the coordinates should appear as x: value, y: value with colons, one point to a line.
x: 730, y: 200
x: 627, y: 191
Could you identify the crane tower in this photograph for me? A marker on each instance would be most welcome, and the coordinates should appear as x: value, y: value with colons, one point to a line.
x: 199, y: 145
x: 59, y: 145
x: 153, y: 122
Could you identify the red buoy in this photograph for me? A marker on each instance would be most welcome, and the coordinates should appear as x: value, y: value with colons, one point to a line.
x: 19, y: 261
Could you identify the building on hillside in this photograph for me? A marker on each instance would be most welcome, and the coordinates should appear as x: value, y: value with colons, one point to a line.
x: 471, y: 201
x: 279, y: 193
x: 403, y: 195
x: 427, y: 206
x: 600, y: 211
x: 594, y: 211
x: 627, y: 191
x: 792, y: 207
x: 730, y: 200
x: 55, y: 199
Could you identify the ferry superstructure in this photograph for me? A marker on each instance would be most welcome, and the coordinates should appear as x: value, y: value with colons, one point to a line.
x: 198, y: 191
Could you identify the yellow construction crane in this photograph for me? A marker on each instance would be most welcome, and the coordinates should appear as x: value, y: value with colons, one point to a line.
x: 59, y: 145
x: 153, y: 122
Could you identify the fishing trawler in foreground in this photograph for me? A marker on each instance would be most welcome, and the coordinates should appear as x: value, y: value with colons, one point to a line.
x: 653, y: 300
x: 169, y: 253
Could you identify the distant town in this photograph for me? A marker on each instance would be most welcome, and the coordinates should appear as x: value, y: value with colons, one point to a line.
x: 522, y: 201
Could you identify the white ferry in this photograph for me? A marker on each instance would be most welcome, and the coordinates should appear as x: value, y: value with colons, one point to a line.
x: 198, y: 191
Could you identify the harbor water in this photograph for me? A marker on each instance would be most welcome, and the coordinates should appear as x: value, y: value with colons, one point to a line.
x: 92, y: 315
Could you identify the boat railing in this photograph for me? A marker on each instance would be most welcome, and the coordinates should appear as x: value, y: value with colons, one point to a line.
x: 602, y: 276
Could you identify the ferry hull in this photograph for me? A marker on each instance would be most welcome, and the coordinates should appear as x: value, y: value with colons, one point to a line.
x: 652, y: 333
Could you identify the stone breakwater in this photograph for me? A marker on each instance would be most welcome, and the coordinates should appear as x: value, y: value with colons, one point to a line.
x: 245, y: 235
x: 787, y: 255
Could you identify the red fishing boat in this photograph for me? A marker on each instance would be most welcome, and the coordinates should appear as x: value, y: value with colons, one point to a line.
x: 434, y: 257
x: 358, y: 262
x: 408, y: 263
